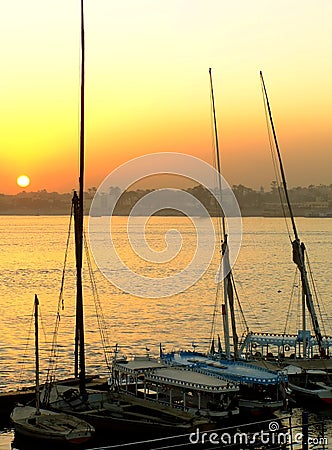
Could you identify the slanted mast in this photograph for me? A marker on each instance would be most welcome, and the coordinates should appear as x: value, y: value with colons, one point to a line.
x: 228, y: 292
x: 297, y: 246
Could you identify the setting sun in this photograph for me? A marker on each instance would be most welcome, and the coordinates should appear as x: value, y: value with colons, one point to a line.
x: 23, y: 181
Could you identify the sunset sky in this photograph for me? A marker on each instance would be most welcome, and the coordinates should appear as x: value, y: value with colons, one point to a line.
x: 147, y: 87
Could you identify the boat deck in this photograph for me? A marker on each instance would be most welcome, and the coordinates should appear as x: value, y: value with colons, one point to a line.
x: 237, y: 371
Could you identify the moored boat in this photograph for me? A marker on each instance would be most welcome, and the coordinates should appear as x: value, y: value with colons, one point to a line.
x: 46, y: 425
x: 310, y: 385
x: 312, y: 390
x: 308, y: 344
x: 125, y: 417
x: 37, y: 423
x: 261, y: 391
x: 181, y: 388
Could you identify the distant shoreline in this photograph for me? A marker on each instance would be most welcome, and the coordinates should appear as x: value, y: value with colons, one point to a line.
x: 311, y: 201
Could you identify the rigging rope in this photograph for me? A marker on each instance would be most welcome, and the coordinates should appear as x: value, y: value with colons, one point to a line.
x: 319, y: 303
x: 103, y: 330
x: 239, y: 305
x: 288, y: 316
x: 215, y: 165
x: 42, y: 324
x: 276, y: 166
x: 20, y: 381
x: 216, y: 312
x: 228, y: 286
x: 61, y: 306
x: 252, y: 312
x: 299, y: 304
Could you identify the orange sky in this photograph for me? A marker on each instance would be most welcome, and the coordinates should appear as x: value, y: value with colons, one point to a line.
x: 147, y: 87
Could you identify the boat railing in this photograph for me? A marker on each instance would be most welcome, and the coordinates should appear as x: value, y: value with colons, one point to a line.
x: 191, y: 385
x: 157, y: 401
x: 254, y: 333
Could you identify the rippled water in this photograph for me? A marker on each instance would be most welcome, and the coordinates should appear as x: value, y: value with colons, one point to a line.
x: 31, y: 261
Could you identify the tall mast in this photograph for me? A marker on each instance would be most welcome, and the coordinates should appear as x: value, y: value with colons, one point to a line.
x: 37, y: 389
x: 227, y: 276
x: 297, y: 245
x: 224, y: 236
x: 78, y: 202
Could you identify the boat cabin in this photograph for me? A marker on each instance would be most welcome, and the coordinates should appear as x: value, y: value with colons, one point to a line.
x: 181, y: 388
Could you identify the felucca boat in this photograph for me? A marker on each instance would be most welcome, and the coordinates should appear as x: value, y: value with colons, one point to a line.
x: 306, y: 349
x: 37, y: 423
x: 261, y: 390
x: 123, y: 417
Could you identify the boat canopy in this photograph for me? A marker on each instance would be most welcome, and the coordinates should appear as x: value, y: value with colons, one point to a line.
x: 235, y: 371
x: 292, y: 340
x: 137, y: 365
x: 193, y: 380
x: 185, y: 377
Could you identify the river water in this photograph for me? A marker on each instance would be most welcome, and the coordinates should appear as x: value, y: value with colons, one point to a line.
x: 32, y: 251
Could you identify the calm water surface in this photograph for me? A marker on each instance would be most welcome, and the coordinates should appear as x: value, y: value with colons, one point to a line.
x: 31, y: 261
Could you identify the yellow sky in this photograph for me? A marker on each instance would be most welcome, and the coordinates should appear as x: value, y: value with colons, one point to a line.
x: 147, y: 86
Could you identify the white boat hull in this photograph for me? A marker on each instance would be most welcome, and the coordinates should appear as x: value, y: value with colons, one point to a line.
x: 320, y: 392
x: 50, y: 426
